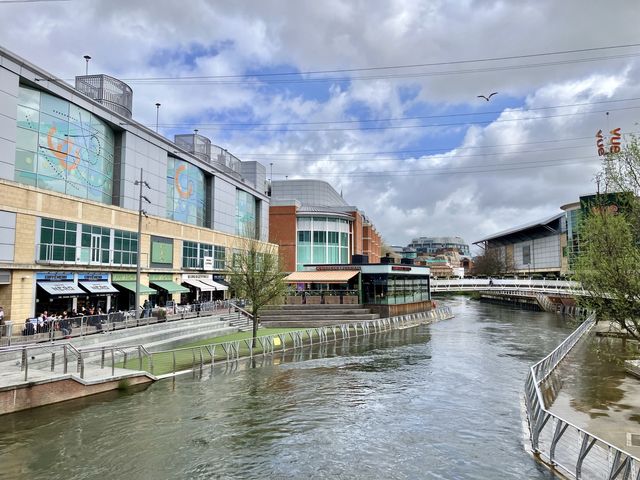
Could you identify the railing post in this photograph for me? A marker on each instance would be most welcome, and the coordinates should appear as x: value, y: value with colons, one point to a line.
x: 53, y: 361
x: 140, y: 356
x: 25, y: 362
x: 81, y: 366
x: 65, y: 359
x: 102, y: 358
x: 113, y: 362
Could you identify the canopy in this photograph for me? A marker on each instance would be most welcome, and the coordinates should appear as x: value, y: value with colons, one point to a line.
x: 170, y: 286
x: 61, y: 288
x: 215, y: 285
x: 199, y: 283
x: 99, y: 287
x: 325, y: 276
x: 144, y: 290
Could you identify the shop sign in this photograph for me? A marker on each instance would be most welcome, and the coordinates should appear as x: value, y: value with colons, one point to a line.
x: 330, y: 268
x: 195, y: 276
x: 614, y: 142
x: 160, y: 277
x: 93, y: 277
x: 54, y: 276
x: 62, y: 288
x: 207, y: 263
x: 400, y: 269
x: 123, y: 277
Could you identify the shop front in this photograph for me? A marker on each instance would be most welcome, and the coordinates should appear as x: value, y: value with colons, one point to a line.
x: 324, y: 284
x: 199, y: 288
x: 101, y: 291
x: 125, y: 283
x: 57, y: 292
x: 167, y: 290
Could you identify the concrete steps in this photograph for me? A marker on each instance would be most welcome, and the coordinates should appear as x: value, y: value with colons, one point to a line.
x: 314, y: 315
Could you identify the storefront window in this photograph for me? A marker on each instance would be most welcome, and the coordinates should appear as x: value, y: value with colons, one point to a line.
x: 62, y: 147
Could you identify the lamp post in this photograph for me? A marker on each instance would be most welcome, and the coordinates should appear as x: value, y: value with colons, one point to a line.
x: 157, y: 115
x: 86, y: 59
x: 141, y: 212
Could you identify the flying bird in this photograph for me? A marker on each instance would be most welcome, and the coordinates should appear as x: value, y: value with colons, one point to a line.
x: 487, y: 98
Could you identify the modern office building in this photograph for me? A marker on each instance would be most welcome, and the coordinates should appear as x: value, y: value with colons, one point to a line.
x: 71, y: 164
x: 432, y: 245
x: 535, y: 248
x: 313, y: 224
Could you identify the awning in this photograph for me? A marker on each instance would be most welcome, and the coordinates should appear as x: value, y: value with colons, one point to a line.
x: 198, y: 283
x: 215, y: 285
x: 99, y: 287
x: 61, y: 288
x: 132, y: 287
x: 170, y: 286
x: 325, y: 276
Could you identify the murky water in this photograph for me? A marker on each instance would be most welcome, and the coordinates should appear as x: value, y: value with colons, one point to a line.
x: 434, y: 402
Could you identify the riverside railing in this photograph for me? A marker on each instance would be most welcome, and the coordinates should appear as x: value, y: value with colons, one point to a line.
x: 559, y: 287
x: 39, y: 362
x: 564, y: 446
x: 182, y: 360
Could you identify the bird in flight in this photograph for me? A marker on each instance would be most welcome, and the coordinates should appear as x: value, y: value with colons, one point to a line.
x: 487, y: 98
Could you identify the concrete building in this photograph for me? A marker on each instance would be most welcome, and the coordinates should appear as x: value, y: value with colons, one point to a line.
x: 313, y: 224
x: 71, y: 160
x: 432, y: 245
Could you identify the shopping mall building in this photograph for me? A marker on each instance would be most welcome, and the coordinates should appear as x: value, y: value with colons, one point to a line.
x: 71, y: 160
x: 313, y: 224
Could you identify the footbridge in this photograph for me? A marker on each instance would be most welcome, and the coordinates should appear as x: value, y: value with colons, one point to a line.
x: 546, y: 294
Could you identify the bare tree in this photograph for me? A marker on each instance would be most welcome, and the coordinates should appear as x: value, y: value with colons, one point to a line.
x: 490, y: 263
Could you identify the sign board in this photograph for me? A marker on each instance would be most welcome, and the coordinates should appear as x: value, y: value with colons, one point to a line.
x: 54, y: 276
x: 93, y: 277
x: 207, y: 263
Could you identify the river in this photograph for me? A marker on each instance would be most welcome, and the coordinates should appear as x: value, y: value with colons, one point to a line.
x: 433, y: 402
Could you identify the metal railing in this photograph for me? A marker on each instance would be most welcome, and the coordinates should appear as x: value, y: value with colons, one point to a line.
x: 183, y: 360
x: 560, y: 287
x: 35, y: 362
x: 53, y: 329
x: 566, y: 447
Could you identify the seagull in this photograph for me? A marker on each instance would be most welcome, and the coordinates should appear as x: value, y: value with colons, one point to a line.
x: 487, y: 98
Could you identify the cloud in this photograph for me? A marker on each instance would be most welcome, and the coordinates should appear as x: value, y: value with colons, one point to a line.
x: 473, y: 174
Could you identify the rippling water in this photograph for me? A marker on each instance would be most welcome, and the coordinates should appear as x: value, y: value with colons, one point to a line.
x: 433, y: 402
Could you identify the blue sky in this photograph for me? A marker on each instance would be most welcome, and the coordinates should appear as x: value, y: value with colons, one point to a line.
x: 486, y: 167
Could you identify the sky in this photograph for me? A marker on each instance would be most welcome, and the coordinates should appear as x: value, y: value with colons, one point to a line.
x: 378, y: 98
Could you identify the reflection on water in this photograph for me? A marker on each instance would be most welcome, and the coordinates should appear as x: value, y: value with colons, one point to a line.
x: 439, y: 401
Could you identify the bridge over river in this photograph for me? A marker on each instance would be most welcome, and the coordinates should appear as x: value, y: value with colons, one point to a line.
x: 436, y: 401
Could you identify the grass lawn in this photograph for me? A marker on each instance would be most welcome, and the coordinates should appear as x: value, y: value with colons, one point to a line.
x: 189, y: 354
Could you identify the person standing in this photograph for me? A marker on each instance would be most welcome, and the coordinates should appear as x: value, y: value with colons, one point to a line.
x: 2, y: 324
x: 146, y: 306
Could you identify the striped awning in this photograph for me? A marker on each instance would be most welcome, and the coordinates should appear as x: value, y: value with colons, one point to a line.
x: 325, y: 276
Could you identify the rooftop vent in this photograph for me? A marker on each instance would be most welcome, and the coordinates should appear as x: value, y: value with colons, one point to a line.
x: 114, y: 94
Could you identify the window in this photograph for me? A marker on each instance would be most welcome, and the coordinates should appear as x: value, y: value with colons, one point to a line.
x: 219, y: 257
x: 57, y: 241
x: 190, y: 255
x: 526, y: 254
x: 125, y: 248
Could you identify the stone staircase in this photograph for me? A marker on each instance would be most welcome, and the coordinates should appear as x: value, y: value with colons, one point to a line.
x: 314, y: 315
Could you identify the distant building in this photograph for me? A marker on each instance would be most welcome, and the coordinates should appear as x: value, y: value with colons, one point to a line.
x: 433, y: 245
x: 313, y: 224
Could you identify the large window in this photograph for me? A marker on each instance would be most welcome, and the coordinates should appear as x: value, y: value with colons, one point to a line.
x: 246, y: 215
x: 322, y: 240
x: 219, y: 257
x: 62, y: 147
x: 125, y: 248
x: 193, y: 254
x: 57, y: 241
x: 95, y: 244
x: 185, y: 192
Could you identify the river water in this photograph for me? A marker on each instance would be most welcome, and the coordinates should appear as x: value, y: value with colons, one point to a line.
x: 432, y: 402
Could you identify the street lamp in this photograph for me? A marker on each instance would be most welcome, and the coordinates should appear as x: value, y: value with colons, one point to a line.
x: 141, y: 212
x: 157, y: 115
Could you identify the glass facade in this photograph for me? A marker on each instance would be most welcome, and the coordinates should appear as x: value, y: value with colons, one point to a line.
x: 193, y: 254
x: 574, y: 217
x: 246, y: 215
x: 322, y: 240
x: 186, y: 199
x: 62, y: 147
x: 384, y: 289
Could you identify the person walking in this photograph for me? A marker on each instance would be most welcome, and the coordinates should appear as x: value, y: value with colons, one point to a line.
x: 146, y: 307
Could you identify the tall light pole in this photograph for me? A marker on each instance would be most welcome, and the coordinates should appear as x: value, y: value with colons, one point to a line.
x: 141, y: 212
x: 86, y: 59
x: 157, y: 115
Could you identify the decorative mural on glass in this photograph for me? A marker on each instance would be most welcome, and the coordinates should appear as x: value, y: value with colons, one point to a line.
x: 185, y: 192
x: 62, y: 147
x: 246, y: 224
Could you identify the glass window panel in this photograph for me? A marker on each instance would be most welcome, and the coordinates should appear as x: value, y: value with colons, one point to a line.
x: 26, y: 178
x: 29, y: 98
x: 46, y: 235
x: 28, y: 118
x: 27, y: 139
x: 26, y: 161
